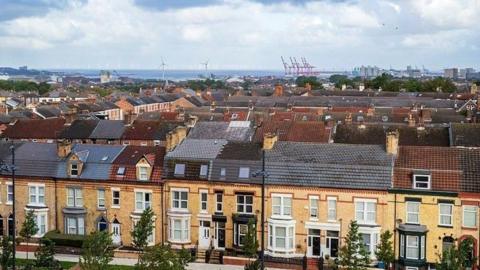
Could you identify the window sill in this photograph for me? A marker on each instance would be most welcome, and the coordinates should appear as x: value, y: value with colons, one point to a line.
x: 9, y: 203
x: 445, y: 226
x: 314, y: 219
x: 173, y: 241
x: 101, y: 208
x: 281, y: 217
x: 115, y: 206
x: 469, y: 228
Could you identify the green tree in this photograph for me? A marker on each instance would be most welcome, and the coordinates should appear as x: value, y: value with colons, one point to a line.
x: 45, y: 255
x: 353, y: 255
x: 250, y: 246
x: 97, y: 251
x: 6, y: 258
x: 458, y: 258
x: 384, y: 250
x: 254, y: 265
x: 302, y: 81
x: 162, y: 257
x: 340, y: 80
x: 143, y: 229
x: 29, y: 228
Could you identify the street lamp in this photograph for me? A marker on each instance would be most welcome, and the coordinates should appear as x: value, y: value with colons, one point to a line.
x: 264, y: 174
x: 4, y: 167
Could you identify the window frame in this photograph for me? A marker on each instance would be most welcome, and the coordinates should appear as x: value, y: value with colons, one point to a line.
x: 142, y: 173
x: 429, y: 183
x: 282, y: 205
x: 180, y: 200
x: 289, y: 238
x: 9, y: 193
x: 365, y: 211
x: 72, y: 170
x: 244, y: 205
x: 407, y: 213
x: 244, y: 172
x: 99, y: 198
x: 203, y: 171
x: 143, y: 200
x: 329, y: 209
x: 179, y: 169
x: 314, y: 207
x: 475, y: 213
x: 76, y: 198
x: 115, y: 205
x: 218, y: 202
x: 36, y: 194
x: 184, y: 230
x: 202, y: 202
x: 440, y: 205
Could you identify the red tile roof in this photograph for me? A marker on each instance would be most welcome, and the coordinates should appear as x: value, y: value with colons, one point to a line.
x: 296, y: 131
x: 129, y: 158
x: 35, y: 129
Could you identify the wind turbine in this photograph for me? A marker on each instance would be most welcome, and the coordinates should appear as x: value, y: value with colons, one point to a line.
x: 206, y: 67
x: 163, y: 74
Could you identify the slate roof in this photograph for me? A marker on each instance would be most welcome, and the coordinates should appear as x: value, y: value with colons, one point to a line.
x: 36, y: 159
x: 296, y: 131
x: 79, y: 129
x: 98, y: 161
x: 197, y: 149
x: 221, y: 130
x: 467, y: 135
x: 108, y: 129
x: 35, y: 129
x: 329, y: 165
x: 241, y: 151
x: 149, y: 130
x: 375, y: 134
x: 48, y: 111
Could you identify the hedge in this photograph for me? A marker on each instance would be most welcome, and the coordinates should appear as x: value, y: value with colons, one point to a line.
x: 67, y: 240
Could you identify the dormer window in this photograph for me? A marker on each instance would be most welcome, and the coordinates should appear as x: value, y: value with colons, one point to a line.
x: 74, y: 169
x: 142, y: 173
x: 179, y: 169
x: 422, y: 181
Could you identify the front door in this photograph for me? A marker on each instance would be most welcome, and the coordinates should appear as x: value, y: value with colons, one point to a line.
x: 204, y: 234
x: 313, y: 242
x: 116, y: 237
x: 220, y: 235
x: 332, y: 244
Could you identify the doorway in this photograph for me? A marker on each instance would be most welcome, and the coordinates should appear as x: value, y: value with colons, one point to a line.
x: 314, y: 243
x: 219, y: 235
x: 204, y: 234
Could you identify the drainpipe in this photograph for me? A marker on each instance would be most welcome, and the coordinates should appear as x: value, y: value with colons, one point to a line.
x: 162, y: 212
x: 56, y: 204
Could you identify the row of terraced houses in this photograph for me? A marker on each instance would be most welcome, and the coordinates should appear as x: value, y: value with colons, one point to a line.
x: 204, y: 192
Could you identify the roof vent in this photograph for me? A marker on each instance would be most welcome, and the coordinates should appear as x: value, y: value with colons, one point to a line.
x: 104, y: 158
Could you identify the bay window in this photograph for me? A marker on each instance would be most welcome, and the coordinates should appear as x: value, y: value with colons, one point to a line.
x: 179, y: 229
x: 281, y: 238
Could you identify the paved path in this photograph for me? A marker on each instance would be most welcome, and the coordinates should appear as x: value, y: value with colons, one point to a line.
x: 125, y: 261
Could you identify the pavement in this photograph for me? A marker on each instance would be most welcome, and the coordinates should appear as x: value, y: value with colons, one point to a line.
x: 126, y: 261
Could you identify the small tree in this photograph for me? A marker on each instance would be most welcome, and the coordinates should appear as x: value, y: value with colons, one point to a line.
x: 250, y: 246
x: 6, y: 258
x: 162, y: 257
x: 457, y: 258
x: 254, y: 265
x: 97, y: 251
x: 143, y: 229
x: 353, y: 255
x: 384, y: 250
x: 29, y: 228
x: 45, y: 255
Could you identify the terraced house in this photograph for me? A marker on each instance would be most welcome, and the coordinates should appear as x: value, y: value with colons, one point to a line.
x: 79, y: 188
x: 312, y: 193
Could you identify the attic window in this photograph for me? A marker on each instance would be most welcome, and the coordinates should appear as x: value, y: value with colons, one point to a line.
x: 104, y: 158
x: 179, y: 169
x: 121, y: 171
x: 244, y: 172
x: 422, y: 181
x: 74, y: 169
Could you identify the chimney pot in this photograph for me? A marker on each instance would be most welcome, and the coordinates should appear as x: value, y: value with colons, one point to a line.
x: 392, y: 142
x: 269, y: 140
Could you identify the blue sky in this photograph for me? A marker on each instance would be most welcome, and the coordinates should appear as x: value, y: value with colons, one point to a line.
x: 239, y: 34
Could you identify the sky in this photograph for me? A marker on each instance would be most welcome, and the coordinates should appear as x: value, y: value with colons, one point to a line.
x: 239, y: 34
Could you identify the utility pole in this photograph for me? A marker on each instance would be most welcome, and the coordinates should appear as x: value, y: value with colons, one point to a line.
x: 11, y: 168
x: 264, y: 174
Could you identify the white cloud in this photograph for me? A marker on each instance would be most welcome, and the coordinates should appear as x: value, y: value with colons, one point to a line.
x: 236, y: 33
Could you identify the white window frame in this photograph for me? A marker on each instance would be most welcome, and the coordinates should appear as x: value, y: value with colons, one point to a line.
x: 331, y: 211
x: 76, y: 196
x: 219, y: 203
x: 289, y: 238
x: 365, y: 212
x: 285, y: 210
x: 223, y: 172
x: 244, y: 173
x: 408, y: 213
x: 179, y: 169
x: 182, y: 203
x: 417, y: 247
x: 429, y: 183
x: 9, y: 193
x: 78, y: 230
x: 440, y: 205
x: 115, y: 205
x: 473, y: 210
x: 101, y: 198
x: 203, y: 202
x: 143, y: 173
x: 184, y: 229
x: 203, y: 171
x: 39, y: 199
x: 144, y: 203
x: 38, y: 219
x: 244, y: 205
x: 313, y: 207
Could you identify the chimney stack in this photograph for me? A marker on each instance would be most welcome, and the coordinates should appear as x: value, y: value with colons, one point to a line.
x: 175, y: 137
x: 392, y: 142
x: 278, y: 91
x: 411, y: 120
x: 269, y: 140
x: 348, y: 118
x: 64, y: 148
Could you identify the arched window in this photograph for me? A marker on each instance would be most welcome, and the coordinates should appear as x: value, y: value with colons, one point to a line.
x: 447, y: 243
x: 102, y: 224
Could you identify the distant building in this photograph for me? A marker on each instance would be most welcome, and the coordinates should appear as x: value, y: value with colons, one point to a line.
x: 464, y: 72
x: 367, y: 71
x: 451, y: 73
x: 105, y: 76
